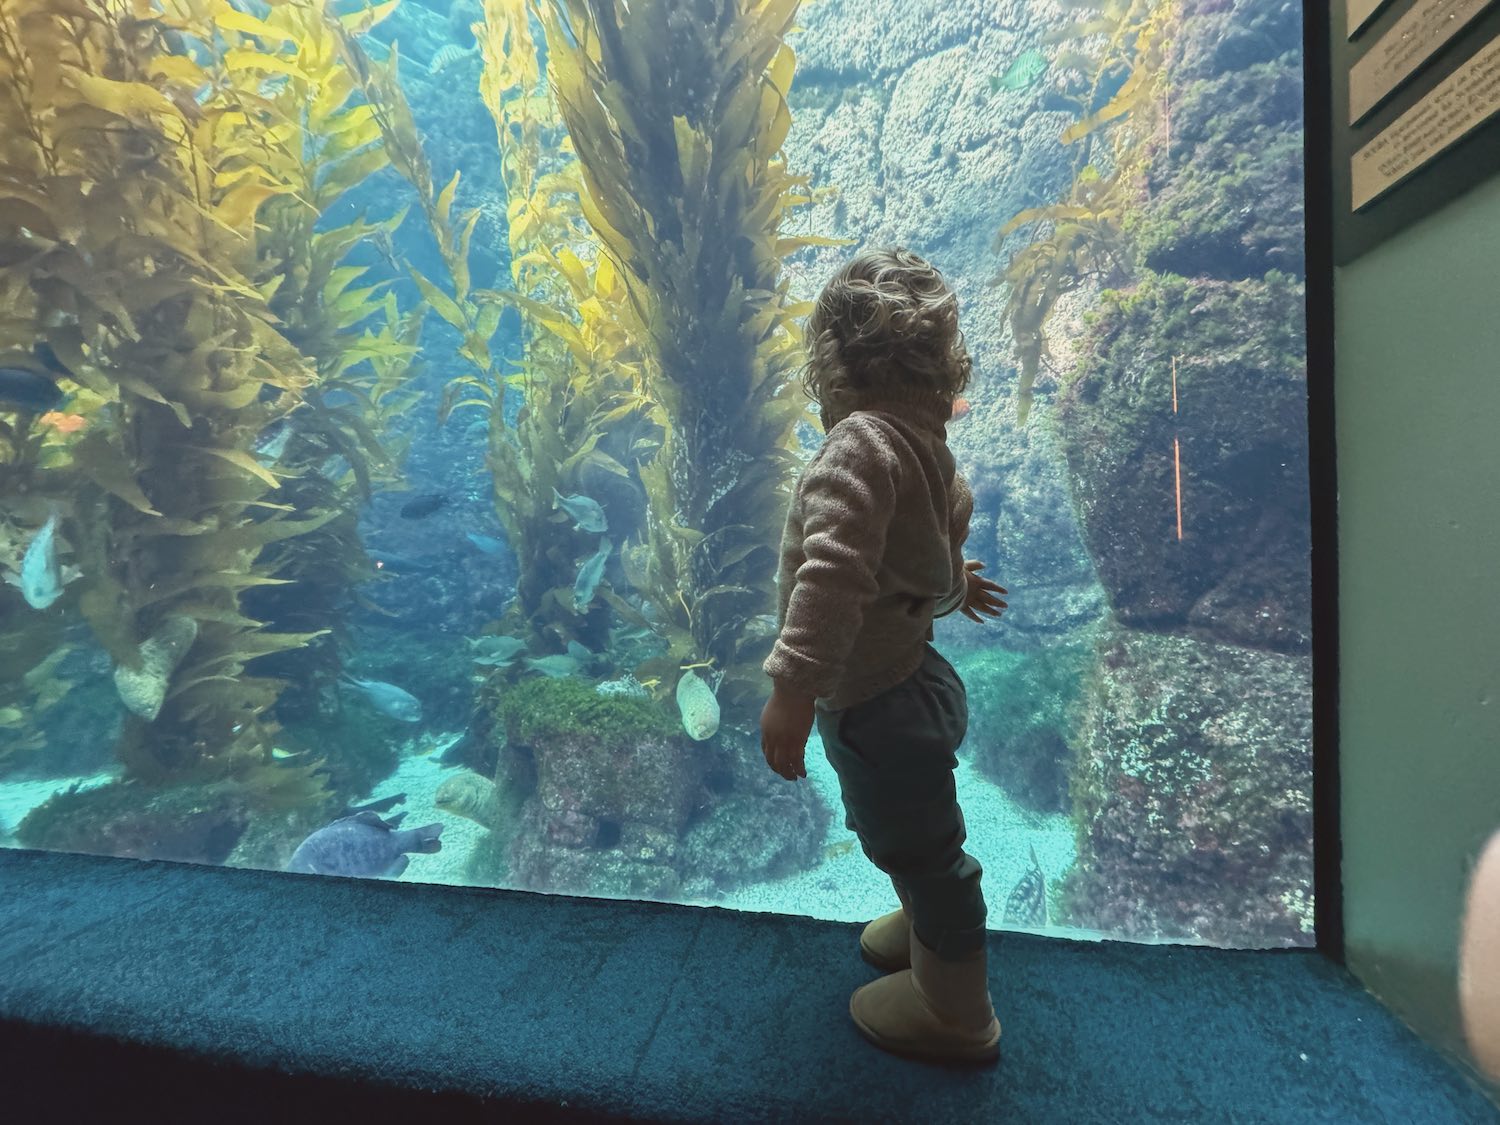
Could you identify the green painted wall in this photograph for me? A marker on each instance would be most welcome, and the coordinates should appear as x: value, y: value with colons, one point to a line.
x: 1417, y: 333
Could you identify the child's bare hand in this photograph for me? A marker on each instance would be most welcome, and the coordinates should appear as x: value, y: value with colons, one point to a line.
x: 785, y: 724
x: 981, y: 594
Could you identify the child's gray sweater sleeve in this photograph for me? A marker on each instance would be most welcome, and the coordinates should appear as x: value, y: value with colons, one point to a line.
x: 961, y: 511
x: 844, y: 505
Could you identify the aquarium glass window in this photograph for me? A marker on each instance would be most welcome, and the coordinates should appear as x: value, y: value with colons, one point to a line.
x: 399, y: 406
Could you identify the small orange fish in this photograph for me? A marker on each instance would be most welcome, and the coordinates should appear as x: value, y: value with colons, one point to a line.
x: 63, y: 423
x: 960, y: 408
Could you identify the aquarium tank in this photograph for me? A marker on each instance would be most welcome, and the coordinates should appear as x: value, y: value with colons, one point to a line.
x: 399, y: 406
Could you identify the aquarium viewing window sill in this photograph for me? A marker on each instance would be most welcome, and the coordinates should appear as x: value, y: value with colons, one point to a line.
x: 248, y: 990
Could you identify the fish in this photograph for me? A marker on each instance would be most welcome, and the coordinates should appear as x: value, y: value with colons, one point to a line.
x: 63, y: 423
x: 1028, y: 67
x: 1027, y: 904
x: 423, y: 506
x: 586, y: 512
x: 468, y: 795
x: 555, y: 666
x: 272, y: 442
x: 385, y: 804
x: 561, y: 664
x: 589, y: 575
x: 42, y: 577
x: 839, y: 850
x: 486, y: 543
x: 626, y: 685
x: 386, y: 560
x: 24, y: 389
x: 960, y: 408
x: 388, y: 699
x: 698, y: 706
x: 363, y: 846
x: 447, y: 55
x: 496, y: 651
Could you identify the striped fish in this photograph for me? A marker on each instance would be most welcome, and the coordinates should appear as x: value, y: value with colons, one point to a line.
x: 1027, y: 904
x: 448, y: 55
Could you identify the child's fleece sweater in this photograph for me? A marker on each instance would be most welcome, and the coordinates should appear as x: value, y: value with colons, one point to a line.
x: 871, y: 552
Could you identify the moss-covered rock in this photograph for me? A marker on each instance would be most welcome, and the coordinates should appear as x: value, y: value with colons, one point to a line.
x: 1228, y: 202
x: 540, y: 711
x: 1022, y: 719
x: 1193, y: 794
x: 190, y: 823
x: 1239, y: 573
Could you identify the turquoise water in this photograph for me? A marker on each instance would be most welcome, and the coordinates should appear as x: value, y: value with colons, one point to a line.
x: 419, y: 470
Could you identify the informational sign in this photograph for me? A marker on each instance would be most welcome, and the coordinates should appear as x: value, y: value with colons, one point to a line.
x: 1401, y: 50
x: 1358, y: 13
x: 1460, y: 103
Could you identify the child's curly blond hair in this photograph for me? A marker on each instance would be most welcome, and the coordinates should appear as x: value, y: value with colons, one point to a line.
x: 885, y: 325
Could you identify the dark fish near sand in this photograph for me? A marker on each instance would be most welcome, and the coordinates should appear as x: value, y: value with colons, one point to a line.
x: 423, y: 506
x: 363, y: 846
x: 1027, y: 904
x: 24, y: 389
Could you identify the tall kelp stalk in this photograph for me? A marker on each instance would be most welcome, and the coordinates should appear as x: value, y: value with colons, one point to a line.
x: 678, y: 112
x: 1119, y: 43
x: 132, y: 257
x: 329, y: 444
x: 584, y: 420
x: 580, y: 415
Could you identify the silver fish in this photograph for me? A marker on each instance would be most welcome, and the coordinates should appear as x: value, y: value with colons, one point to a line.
x: 586, y: 513
x: 388, y: 699
x: 42, y: 577
x: 589, y: 575
x: 561, y: 664
x: 486, y: 543
x: 496, y: 651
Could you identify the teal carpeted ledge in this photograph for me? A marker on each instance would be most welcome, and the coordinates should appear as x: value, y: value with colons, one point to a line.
x: 162, y: 987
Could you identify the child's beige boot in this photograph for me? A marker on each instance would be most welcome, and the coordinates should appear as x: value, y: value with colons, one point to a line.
x: 886, y: 942
x: 936, y: 1010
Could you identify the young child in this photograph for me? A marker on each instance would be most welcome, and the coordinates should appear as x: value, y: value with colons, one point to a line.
x: 870, y: 555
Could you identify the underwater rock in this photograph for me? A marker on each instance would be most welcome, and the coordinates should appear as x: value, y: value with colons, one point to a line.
x: 1239, y: 573
x: 754, y: 837
x: 698, y: 706
x: 143, y: 688
x: 1193, y: 794
x: 468, y: 795
x: 1211, y: 212
x: 186, y: 824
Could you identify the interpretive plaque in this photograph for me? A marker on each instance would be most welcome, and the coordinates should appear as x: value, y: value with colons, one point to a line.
x: 1460, y: 103
x: 1357, y: 13
x: 1425, y: 29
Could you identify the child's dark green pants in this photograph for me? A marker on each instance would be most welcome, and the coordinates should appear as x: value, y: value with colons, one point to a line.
x: 895, y: 755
